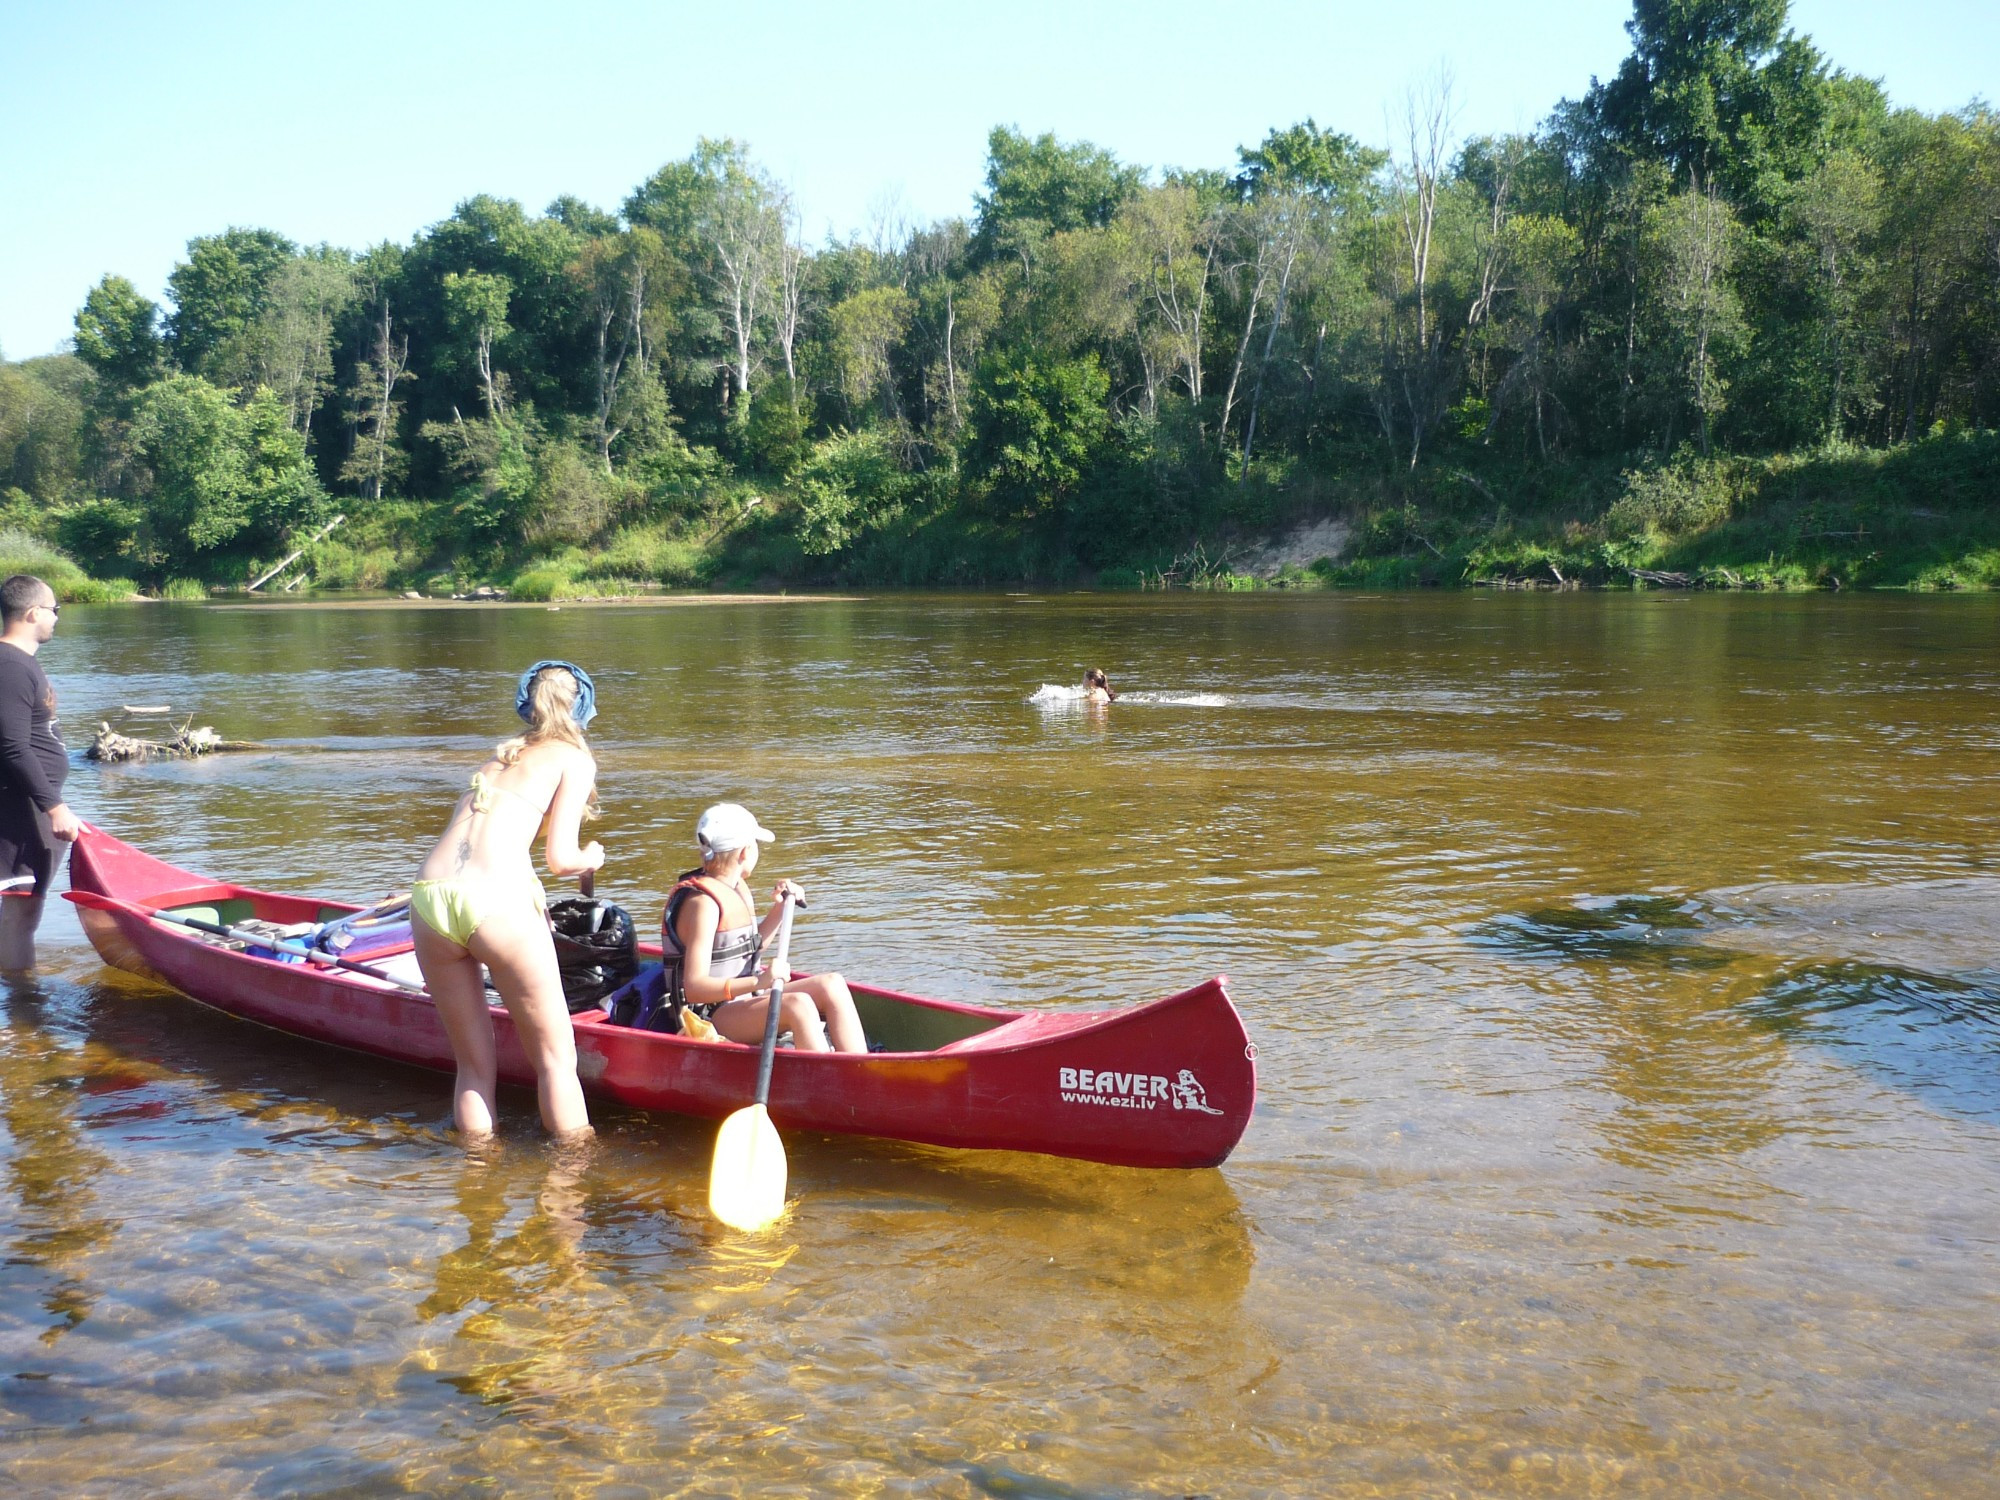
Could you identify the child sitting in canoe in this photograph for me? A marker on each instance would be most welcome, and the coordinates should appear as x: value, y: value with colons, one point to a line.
x: 713, y: 939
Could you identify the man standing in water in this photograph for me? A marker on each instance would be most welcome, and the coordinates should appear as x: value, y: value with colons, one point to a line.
x: 33, y: 765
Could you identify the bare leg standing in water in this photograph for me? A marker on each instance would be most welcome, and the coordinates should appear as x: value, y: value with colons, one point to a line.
x: 476, y: 902
x: 520, y: 955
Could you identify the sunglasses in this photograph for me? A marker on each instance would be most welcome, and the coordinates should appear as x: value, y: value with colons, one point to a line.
x: 54, y: 609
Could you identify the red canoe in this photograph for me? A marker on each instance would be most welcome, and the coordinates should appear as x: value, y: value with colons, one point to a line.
x: 1165, y: 1084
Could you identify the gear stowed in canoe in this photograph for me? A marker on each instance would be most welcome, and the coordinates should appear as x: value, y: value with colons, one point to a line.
x: 1167, y: 1083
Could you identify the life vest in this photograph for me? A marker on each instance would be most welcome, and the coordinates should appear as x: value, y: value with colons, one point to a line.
x: 732, y: 954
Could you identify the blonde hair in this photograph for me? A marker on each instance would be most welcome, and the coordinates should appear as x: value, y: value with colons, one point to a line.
x: 551, y: 716
x: 726, y: 861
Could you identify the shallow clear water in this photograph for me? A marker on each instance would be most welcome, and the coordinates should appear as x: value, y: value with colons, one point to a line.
x: 1623, y: 971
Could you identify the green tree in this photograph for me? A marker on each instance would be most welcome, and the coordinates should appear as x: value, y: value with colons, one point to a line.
x: 1696, y: 318
x: 225, y: 479
x: 219, y: 291
x: 118, y: 335
x: 1176, y: 237
x: 1544, y: 255
x: 867, y: 328
x: 960, y: 316
x: 44, y: 406
x: 850, y: 485
x: 547, y: 342
x: 492, y: 466
x: 1294, y: 186
x: 193, y: 438
x: 1720, y: 90
x: 281, y: 493
x: 1038, y: 430
x: 290, y: 346
x: 744, y: 225
x: 376, y: 458
x: 1042, y: 186
x: 1327, y: 164
x: 1935, y: 302
x: 1830, y: 219
x: 721, y: 223
x: 611, y: 272
x: 475, y: 310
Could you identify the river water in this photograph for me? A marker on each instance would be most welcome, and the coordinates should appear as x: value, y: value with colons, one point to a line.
x: 1623, y: 970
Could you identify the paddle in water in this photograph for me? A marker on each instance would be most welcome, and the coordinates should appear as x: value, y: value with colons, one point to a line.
x: 746, y: 1182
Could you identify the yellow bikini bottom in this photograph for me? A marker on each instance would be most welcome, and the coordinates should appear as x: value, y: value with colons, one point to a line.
x: 455, y: 908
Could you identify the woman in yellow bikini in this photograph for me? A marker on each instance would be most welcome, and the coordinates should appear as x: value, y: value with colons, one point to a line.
x: 476, y: 901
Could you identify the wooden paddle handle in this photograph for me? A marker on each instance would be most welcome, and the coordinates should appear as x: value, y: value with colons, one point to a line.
x: 587, y: 883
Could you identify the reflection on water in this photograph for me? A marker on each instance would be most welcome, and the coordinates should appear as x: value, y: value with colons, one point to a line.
x: 51, y: 1172
x: 1935, y: 1036
x: 1623, y: 929
x: 1622, y: 977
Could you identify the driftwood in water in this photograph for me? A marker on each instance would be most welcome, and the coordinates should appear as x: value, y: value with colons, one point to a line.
x: 1661, y: 580
x: 188, y: 743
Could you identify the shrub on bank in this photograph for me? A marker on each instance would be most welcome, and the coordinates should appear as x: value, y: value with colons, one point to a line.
x: 340, y: 565
x: 542, y: 585
x: 1686, y: 495
x: 1978, y: 569
x: 22, y: 553
x: 657, y: 552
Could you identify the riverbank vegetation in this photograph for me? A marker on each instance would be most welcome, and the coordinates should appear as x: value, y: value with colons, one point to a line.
x: 1726, y: 316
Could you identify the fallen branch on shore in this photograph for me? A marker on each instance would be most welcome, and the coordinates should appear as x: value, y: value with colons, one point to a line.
x: 188, y: 743
x: 293, y: 557
x: 1662, y: 580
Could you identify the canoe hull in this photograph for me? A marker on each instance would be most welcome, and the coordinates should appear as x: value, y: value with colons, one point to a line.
x: 1170, y: 1083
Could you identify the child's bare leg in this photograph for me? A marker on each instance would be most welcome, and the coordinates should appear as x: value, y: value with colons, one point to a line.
x: 835, y: 1003
x: 743, y: 1020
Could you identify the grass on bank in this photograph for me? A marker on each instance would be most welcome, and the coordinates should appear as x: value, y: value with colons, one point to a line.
x: 1923, y: 516
x: 22, y: 553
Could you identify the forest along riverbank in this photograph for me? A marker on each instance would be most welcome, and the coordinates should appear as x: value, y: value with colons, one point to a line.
x: 1621, y: 970
x: 1753, y: 347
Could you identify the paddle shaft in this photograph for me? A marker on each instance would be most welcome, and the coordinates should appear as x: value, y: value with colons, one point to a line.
x: 280, y: 945
x: 769, y: 1052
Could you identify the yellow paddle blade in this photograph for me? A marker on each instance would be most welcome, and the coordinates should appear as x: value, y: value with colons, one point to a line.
x: 746, y: 1183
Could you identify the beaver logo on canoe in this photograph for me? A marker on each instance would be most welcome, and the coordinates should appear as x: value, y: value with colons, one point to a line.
x: 1189, y: 1094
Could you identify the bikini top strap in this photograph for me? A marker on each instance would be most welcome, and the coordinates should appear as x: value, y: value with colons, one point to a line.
x: 483, y: 788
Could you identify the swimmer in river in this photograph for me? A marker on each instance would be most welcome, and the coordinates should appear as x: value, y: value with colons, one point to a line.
x: 1097, y: 688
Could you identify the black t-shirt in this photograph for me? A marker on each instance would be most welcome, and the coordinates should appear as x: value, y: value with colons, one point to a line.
x: 34, y: 762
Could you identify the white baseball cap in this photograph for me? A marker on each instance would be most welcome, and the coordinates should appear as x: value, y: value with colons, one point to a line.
x: 727, y: 826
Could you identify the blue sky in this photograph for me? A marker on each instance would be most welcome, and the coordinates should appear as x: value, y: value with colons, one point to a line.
x: 126, y: 129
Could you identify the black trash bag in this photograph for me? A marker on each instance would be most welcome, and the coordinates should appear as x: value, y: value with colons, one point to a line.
x: 597, y: 948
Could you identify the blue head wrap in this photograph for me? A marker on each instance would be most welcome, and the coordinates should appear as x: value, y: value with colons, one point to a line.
x: 585, y: 708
